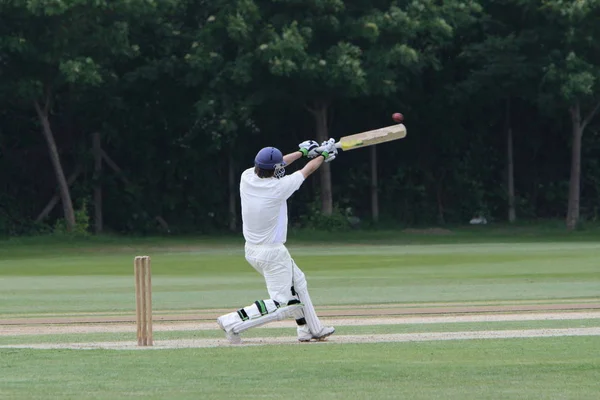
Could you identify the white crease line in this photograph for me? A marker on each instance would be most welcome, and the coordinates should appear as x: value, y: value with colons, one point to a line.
x: 341, y: 339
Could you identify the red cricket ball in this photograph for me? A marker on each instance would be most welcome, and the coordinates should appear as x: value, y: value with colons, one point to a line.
x: 398, y: 117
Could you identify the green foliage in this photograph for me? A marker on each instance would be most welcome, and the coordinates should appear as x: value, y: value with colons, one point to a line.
x: 572, y: 66
x: 81, y: 70
x: 182, y: 91
x: 82, y: 223
x: 14, y: 220
x: 574, y: 76
x: 315, y: 220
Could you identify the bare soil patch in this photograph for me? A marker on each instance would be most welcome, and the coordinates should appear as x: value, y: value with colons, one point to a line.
x: 377, y: 310
x: 386, y: 314
x: 169, y: 326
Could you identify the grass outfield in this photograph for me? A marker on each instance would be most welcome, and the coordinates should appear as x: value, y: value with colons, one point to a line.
x: 49, y: 276
x: 100, y: 278
x: 548, y: 368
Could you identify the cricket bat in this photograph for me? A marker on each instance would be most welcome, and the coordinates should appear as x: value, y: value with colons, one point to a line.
x: 370, y: 138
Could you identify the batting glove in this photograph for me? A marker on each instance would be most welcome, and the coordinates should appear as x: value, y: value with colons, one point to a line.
x: 328, y: 150
x: 308, y: 148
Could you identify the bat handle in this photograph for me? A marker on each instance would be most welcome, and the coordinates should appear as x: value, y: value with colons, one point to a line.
x: 321, y: 148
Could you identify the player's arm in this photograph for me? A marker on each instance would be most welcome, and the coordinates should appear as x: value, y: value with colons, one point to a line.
x: 327, y: 153
x: 312, y: 166
x: 290, y: 158
x: 290, y: 183
x: 305, y: 149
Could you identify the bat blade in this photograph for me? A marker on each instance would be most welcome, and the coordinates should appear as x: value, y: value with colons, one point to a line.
x: 370, y: 138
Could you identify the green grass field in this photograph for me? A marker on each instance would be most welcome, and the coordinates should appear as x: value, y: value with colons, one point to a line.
x: 55, y: 276
x: 557, y: 368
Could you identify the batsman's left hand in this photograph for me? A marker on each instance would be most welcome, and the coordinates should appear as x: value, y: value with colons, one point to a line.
x: 308, y: 148
x: 328, y: 150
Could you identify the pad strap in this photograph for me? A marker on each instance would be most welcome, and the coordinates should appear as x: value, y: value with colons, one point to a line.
x: 280, y: 314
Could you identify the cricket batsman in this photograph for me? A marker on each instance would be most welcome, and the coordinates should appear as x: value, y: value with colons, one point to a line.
x: 264, y: 190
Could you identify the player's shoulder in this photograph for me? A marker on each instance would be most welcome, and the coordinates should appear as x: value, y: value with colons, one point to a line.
x: 296, y: 176
x: 248, y: 173
x: 292, y: 180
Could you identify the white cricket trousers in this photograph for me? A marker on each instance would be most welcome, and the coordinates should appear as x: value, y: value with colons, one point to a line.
x: 276, y: 265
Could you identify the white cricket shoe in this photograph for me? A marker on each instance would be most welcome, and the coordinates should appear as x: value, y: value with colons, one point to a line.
x: 325, y: 332
x: 234, y: 338
x: 304, y: 334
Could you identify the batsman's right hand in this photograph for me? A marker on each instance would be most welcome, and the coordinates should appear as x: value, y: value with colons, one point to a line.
x: 328, y: 150
x: 308, y: 148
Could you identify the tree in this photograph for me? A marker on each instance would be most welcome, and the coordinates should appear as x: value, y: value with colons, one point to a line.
x: 220, y: 61
x: 322, y: 51
x: 52, y: 48
x: 572, y: 75
x: 504, y: 63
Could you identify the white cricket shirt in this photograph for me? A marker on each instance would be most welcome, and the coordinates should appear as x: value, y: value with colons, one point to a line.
x: 264, y: 206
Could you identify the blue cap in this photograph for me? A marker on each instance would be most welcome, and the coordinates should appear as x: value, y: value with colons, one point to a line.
x: 269, y: 158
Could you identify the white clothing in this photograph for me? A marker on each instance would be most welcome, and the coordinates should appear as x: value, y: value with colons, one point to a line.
x: 278, y: 268
x: 264, y: 221
x: 281, y: 273
x: 264, y: 206
x: 259, y: 313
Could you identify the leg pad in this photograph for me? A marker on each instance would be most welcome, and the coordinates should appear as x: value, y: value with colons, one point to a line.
x: 259, y: 313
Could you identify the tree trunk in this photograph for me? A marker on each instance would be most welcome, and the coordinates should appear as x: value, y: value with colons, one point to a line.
x: 56, y: 198
x: 322, y: 130
x: 574, y: 181
x: 440, y: 201
x: 510, y: 181
x: 374, y: 185
x: 232, y: 194
x: 97, y: 150
x: 63, y: 187
x: 577, y: 127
